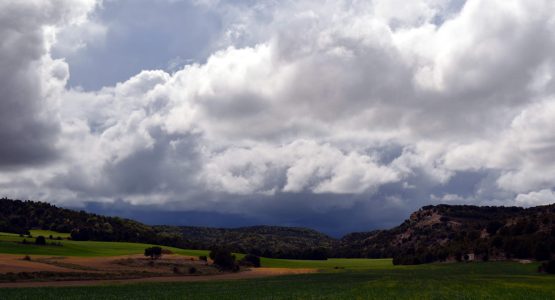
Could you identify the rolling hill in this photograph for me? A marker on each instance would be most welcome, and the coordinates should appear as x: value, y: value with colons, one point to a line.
x: 433, y: 233
x: 460, y: 232
x: 267, y: 241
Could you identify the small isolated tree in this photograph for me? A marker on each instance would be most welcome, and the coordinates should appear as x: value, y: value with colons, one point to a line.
x: 223, y: 259
x: 250, y: 260
x: 153, y: 252
x: 40, y: 240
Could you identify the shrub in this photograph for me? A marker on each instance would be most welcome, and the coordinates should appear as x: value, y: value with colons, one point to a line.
x: 166, y: 251
x: 493, y: 226
x: 40, y: 240
x: 153, y: 252
x: 192, y: 270
x: 250, y: 260
x: 203, y: 258
x: 26, y: 257
x: 550, y: 267
x: 223, y: 259
x: 80, y: 234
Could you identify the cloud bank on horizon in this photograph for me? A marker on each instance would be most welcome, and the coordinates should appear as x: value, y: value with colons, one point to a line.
x: 349, y: 114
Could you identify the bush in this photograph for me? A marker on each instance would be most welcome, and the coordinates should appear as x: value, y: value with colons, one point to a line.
x: 223, y: 259
x: 40, y: 240
x: 203, y: 258
x: 26, y: 257
x: 153, y: 252
x: 192, y: 270
x: 166, y: 251
x: 250, y: 260
x: 80, y: 234
x: 550, y: 267
x: 493, y: 226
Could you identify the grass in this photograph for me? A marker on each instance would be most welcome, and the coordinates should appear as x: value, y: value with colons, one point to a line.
x: 11, y: 244
x: 494, y: 280
x: 47, y: 233
x: 332, y: 263
x: 339, y: 278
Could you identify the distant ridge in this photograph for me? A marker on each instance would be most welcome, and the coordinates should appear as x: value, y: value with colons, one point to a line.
x: 268, y: 241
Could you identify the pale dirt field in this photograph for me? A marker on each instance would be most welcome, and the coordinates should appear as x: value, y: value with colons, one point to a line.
x: 15, y: 264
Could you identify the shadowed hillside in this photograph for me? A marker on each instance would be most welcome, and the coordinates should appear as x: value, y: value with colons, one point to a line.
x: 433, y: 233
x: 267, y: 241
x: 18, y: 216
x: 460, y: 232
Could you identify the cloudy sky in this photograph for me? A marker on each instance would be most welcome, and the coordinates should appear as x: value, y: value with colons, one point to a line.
x: 337, y: 115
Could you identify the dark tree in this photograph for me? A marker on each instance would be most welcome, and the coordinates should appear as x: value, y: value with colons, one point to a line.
x: 550, y: 267
x: 250, y: 260
x: 223, y: 259
x: 81, y: 234
x: 153, y: 252
x: 493, y: 226
x: 542, y: 251
x: 40, y: 240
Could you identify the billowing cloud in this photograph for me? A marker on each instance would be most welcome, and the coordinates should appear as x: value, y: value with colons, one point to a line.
x: 355, y: 104
x: 542, y: 197
x: 28, y: 118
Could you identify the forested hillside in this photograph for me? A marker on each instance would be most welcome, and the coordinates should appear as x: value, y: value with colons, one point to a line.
x: 459, y: 232
x: 267, y: 241
x: 20, y: 216
x: 433, y: 233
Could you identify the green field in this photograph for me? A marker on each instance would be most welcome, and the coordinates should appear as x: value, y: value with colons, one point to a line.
x: 494, y: 280
x: 337, y: 279
x: 10, y: 243
x: 332, y: 263
x: 47, y: 233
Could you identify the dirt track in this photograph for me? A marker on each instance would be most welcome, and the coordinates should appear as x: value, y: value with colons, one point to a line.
x: 15, y: 263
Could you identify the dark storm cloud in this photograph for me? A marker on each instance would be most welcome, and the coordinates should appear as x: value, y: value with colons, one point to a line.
x: 27, y: 131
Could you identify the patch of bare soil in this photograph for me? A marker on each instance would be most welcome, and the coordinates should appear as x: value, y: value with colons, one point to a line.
x: 73, y: 271
x: 16, y: 263
x: 248, y: 274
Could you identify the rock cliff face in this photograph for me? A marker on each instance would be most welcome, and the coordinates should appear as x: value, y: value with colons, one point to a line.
x: 456, y: 232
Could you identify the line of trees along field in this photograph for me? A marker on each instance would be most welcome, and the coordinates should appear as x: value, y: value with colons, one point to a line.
x: 433, y: 233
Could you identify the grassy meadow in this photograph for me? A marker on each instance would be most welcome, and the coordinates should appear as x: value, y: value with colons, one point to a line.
x: 11, y: 244
x: 337, y: 279
x: 493, y: 280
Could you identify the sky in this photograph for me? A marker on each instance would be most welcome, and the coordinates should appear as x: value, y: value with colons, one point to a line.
x: 339, y: 115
